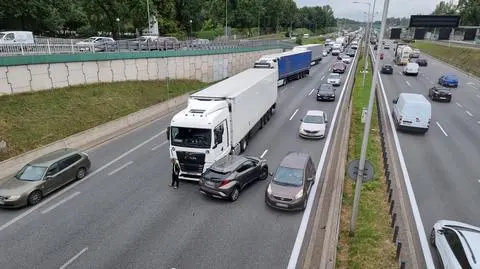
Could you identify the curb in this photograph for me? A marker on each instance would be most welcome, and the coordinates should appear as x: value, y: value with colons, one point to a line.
x: 96, y: 135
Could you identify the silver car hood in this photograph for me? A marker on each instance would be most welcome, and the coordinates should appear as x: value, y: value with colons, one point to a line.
x: 313, y: 127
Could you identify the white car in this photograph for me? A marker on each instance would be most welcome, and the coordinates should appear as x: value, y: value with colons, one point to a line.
x: 325, y: 53
x: 334, y: 79
x: 346, y: 59
x: 411, y: 69
x: 457, y: 243
x: 313, y: 124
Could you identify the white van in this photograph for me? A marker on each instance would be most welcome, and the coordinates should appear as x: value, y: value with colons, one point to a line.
x: 412, y: 111
x: 411, y: 69
x: 16, y: 37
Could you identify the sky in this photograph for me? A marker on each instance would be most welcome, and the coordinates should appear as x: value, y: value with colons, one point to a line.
x: 397, y: 8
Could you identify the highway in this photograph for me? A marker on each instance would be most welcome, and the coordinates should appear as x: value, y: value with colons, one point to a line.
x: 124, y: 215
x: 443, y: 164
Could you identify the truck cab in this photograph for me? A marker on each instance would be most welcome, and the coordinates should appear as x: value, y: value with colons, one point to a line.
x: 199, y: 136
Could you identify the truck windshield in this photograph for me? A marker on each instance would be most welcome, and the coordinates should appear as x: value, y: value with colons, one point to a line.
x: 191, y: 137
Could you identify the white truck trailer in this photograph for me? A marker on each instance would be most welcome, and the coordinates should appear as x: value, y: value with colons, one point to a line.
x: 220, y: 120
x: 316, y: 49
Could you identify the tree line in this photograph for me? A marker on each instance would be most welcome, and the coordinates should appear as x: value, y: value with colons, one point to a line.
x: 469, y: 11
x: 174, y: 17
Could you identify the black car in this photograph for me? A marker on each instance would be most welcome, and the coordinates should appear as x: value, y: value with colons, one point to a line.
x: 326, y: 92
x: 375, y: 47
x: 440, y: 93
x: 422, y: 62
x: 229, y: 175
x: 387, y: 69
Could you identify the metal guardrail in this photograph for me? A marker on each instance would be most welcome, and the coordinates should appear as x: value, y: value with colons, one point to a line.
x: 49, y: 46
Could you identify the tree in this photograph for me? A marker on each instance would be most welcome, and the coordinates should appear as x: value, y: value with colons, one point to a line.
x: 445, y: 8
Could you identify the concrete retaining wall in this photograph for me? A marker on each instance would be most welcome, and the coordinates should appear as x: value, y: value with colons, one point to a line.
x: 96, y: 135
x: 207, y: 68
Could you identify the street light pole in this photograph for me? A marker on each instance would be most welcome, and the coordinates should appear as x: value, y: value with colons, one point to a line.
x: 191, y: 32
x: 367, y: 37
x: 148, y: 16
x: 226, y: 19
x: 366, y: 131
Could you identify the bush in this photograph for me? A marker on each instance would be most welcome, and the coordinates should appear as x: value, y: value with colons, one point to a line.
x: 299, y: 40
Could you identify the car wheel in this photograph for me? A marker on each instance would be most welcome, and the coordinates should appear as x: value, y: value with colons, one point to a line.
x: 263, y: 173
x: 81, y: 173
x: 432, y: 237
x: 35, y: 197
x: 234, y: 195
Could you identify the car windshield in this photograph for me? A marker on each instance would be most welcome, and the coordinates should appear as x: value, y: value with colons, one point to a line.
x: 191, y: 137
x: 31, y: 173
x: 313, y: 119
x: 334, y: 76
x: 450, y: 77
x: 387, y: 66
x: 288, y: 176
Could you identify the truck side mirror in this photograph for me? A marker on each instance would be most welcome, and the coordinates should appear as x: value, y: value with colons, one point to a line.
x: 168, y: 133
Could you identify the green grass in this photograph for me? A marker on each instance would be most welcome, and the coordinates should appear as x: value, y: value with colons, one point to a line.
x: 467, y: 59
x: 280, y: 35
x: 313, y: 40
x: 31, y: 120
x: 371, y: 247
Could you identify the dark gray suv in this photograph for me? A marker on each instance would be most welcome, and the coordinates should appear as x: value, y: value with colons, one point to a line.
x: 290, y: 187
x: 228, y: 176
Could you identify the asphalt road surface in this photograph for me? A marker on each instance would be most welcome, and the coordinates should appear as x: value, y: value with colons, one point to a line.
x: 443, y: 164
x: 124, y: 215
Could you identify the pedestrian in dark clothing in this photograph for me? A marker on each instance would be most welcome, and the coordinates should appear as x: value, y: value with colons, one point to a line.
x: 175, y: 174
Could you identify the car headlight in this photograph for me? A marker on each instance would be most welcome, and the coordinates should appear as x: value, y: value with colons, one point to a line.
x: 299, y: 195
x: 14, y: 197
x: 269, y: 189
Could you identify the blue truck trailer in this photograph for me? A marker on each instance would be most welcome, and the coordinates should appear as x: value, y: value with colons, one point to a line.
x: 291, y: 65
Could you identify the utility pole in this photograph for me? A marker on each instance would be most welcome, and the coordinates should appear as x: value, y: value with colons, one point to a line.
x: 226, y: 19
x: 366, y: 131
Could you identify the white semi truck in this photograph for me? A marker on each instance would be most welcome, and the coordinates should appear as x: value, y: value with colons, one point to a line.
x: 220, y: 120
x: 402, y: 54
x: 316, y: 49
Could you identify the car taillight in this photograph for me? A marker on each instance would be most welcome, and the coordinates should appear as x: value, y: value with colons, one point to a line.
x: 225, y: 182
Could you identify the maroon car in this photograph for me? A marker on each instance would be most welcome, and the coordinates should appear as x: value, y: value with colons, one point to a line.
x: 339, y: 68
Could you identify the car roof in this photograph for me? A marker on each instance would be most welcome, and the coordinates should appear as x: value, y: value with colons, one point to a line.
x: 440, y: 87
x: 387, y: 65
x: 52, y: 157
x: 315, y: 113
x: 229, y: 163
x: 295, y: 160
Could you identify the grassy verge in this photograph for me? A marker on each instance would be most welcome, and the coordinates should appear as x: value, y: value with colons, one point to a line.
x: 371, y: 246
x: 269, y: 36
x: 31, y: 120
x: 313, y: 40
x: 467, y: 59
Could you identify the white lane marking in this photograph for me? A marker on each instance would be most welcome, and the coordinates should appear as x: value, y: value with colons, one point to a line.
x: 459, y: 105
x: 28, y: 212
x: 293, y: 115
x: 468, y: 113
x: 439, y: 126
x: 263, y: 154
x: 160, y: 145
x: 408, y: 83
x: 311, y: 92
x: 400, y: 72
x: 470, y: 83
x: 322, y: 78
x: 61, y: 202
x: 120, y: 168
x: 73, y: 258
x: 297, y: 246
x: 411, y: 195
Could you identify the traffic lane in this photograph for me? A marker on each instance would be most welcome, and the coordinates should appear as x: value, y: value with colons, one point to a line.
x: 99, y: 184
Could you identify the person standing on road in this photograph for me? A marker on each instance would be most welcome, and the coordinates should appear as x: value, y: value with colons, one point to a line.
x: 175, y: 173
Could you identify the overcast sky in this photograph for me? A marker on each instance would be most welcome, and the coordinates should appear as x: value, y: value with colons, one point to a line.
x: 397, y: 8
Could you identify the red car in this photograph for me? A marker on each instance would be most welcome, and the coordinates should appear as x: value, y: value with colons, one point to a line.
x: 339, y: 68
x: 381, y: 56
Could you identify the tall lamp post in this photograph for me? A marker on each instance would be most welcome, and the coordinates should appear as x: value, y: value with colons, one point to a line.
x: 191, y: 33
x: 226, y: 19
x: 118, y: 25
x: 367, y: 36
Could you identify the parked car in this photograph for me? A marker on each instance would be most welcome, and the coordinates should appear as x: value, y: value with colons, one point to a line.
x: 314, y: 125
x: 448, y: 80
x: 334, y: 79
x: 231, y: 174
x: 387, y: 69
x: 326, y: 92
x: 440, y: 93
x: 43, y: 176
x: 457, y: 243
x: 292, y: 182
x: 339, y: 67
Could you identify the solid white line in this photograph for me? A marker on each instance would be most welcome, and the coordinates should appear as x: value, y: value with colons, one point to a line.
x: 439, y: 126
x: 160, y: 145
x: 398, y: 71
x: 408, y: 83
x: 470, y: 83
x: 28, y: 212
x: 61, y: 202
x: 469, y: 113
x: 293, y: 114
x: 322, y: 78
x: 311, y: 92
x: 263, y: 154
x: 459, y: 105
x: 411, y: 195
x: 120, y: 168
x: 73, y: 258
x: 292, y: 263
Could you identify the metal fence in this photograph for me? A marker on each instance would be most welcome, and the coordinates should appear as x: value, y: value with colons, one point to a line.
x: 47, y: 46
